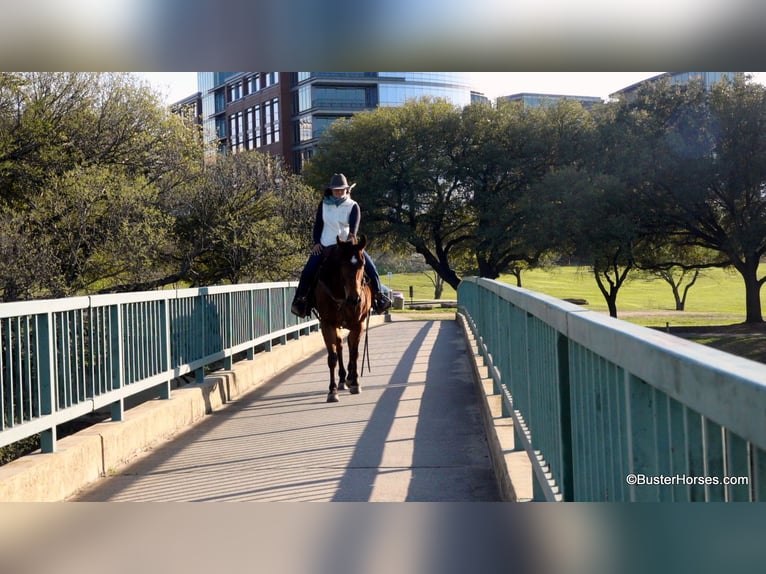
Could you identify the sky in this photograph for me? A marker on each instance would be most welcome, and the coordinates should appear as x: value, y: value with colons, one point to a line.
x: 177, y: 85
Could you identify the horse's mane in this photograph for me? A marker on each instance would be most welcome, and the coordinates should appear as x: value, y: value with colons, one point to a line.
x: 330, y: 272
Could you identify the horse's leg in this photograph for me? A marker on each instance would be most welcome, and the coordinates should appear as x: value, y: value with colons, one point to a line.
x: 328, y: 333
x: 341, y: 367
x: 354, y: 336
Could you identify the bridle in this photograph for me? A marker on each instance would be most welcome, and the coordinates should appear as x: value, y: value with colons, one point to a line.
x: 339, y: 301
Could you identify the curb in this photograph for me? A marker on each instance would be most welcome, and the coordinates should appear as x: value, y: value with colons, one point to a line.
x: 513, y: 469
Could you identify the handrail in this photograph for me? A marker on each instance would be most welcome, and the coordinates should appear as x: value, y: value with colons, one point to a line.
x: 599, y: 403
x: 63, y: 358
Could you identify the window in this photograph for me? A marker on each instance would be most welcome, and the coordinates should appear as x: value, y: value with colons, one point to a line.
x: 232, y: 132
x: 304, y: 98
x: 257, y: 121
x: 304, y: 129
x: 341, y: 97
x: 275, y: 122
x: 267, y: 127
x: 235, y: 91
x: 250, y: 128
x: 255, y: 83
x: 240, y: 132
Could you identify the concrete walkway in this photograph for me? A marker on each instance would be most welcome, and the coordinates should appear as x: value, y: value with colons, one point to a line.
x: 414, y: 434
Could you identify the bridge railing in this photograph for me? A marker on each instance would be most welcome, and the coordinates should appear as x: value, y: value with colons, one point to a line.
x: 63, y: 358
x: 611, y: 411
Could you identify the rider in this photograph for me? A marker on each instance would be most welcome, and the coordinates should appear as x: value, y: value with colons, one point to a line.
x: 337, y: 216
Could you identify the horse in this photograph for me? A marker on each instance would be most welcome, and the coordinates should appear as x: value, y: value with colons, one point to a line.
x: 343, y: 300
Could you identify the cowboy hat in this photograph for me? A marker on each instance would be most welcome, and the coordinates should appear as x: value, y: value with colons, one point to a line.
x: 338, y: 181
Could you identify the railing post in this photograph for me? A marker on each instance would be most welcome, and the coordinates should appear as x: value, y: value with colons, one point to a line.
x: 284, y: 315
x: 199, y: 373
x: 228, y: 335
x: 48, y: 379
x: 166, y: 356
x: 565, y: 406
x: 269, y: 319
x: 118, y: 367
x: 251, y: 323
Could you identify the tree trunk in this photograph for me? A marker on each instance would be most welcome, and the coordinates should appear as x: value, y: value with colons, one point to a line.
x: 749, y: 272
x: 611, y: 303
x: 677, y: 297
x: 442, y: 268
x: 610, y: 295
x: 487, y: 269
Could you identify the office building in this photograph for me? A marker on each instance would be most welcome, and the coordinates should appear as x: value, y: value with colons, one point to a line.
x: 536, y: 100
x: 708, y: 79
x: 286, y: 113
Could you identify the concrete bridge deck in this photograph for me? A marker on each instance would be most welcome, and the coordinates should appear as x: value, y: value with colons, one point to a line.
x: 415, y: 433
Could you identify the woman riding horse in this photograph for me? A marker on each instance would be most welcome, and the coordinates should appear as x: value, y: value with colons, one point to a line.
x: 343, y: 301
x: 338, y: 217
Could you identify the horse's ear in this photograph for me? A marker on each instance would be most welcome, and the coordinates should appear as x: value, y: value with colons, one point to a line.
x: 361, y: 242
x: 338, y: 240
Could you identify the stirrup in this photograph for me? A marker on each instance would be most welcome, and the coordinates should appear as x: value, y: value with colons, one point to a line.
x: 381, y: 303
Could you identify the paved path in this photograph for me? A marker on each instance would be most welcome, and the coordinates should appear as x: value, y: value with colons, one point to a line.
x: 413, y: 434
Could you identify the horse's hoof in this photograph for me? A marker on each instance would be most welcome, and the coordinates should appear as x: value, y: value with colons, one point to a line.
x: 332, y: 397
x: 354, y: 389
x: 342, y: 386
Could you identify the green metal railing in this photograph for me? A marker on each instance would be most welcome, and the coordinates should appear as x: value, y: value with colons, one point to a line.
x: 61, y: 359
x: 610, y: 411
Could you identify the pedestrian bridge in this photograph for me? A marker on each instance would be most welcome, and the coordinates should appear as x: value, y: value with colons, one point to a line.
x: 523, y: 396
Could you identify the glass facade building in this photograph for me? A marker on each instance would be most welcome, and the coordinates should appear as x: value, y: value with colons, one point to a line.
x: 708, y: 80
x: 286, y: 113
x: 534, y: 100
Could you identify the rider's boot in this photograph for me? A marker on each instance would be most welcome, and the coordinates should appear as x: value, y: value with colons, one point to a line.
x: 380, y: 302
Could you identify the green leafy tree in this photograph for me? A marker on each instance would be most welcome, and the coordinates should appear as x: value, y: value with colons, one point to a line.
x: 87, y: 163
x: 104, y: 228
x: 509, y: 150
x: 709, y: 176
x: 405, y: 160
x: 594, y: 220
x: 676, y: 264
x: 240, y: 221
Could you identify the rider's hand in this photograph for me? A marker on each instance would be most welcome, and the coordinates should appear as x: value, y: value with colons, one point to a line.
x: 317, y: 249
x: 351, y: 238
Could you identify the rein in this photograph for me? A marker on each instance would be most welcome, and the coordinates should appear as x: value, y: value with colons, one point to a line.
x: 339, y: 302
x: 364, y: 352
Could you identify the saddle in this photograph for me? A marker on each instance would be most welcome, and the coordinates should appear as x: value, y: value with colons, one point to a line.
x: 311, y: 295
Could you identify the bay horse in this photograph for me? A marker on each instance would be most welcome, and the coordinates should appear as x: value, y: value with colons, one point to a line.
x: 343, y: 300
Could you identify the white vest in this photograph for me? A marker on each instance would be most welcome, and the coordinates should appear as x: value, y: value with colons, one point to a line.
x: 335, y: 221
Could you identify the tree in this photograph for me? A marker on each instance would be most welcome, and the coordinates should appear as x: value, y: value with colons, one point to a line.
x: 238, y: 221
x: 404, y: 160
x: 103, y: 227
x: 594, y: 220
x: 709, y: 179
x: 509, y: 150
x: 676, y: 264
x: 87, y: 161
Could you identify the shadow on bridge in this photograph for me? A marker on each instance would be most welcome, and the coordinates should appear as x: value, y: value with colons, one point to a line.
x: 414, y: 434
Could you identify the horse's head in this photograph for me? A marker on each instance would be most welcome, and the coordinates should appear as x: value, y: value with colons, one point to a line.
x: 350, y: 260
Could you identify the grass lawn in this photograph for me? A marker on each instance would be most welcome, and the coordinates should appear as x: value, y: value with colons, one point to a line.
x: 715, y: 306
